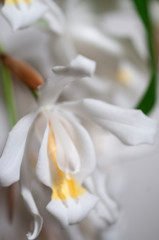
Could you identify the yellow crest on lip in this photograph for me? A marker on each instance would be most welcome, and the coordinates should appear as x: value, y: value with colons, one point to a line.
x: 64, y: 186
x: 17, y: 1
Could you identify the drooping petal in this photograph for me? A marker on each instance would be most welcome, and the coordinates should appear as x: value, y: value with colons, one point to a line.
x: 22, y: 13
x: 80, y: 67
x: 83, y: 143
x: 38, y: 221
x: 55, y: 17
x: 26, y: 183
x: 12, y: 155
x: 72, y: 210
x: 130, y: 126
x: 42, y: 167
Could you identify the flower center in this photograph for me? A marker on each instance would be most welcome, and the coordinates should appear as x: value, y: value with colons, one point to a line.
x: 64, y: 185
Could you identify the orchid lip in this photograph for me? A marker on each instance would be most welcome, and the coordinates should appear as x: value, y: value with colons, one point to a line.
x: 64, y: 185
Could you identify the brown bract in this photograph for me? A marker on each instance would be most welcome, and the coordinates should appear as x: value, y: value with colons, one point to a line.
x: 22, y: 71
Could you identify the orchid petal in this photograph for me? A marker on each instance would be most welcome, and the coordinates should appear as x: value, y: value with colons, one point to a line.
x: 80, y: 67
x: 130, y: 126
x: 55, y: 17
x: 106, y: 208
x: 90, y: 35
x: 125, y: 24
x: 42, y: 167
x: 83, y: 143
x: 68, y: 158
x: 38, y: 221
x: 73, y: 210
x: 107, y: 204
x: 26, y: 185
x: 22, y: 14
x: 11, y: 158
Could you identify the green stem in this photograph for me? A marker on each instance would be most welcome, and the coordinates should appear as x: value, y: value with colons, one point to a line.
x: 35, y: 93
x: 8, y: 93
x: 148, y: 101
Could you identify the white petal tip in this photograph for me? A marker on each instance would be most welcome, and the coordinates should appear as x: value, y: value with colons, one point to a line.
x: 85, y: 64
x: 72, y: 211
x: 38, y: 222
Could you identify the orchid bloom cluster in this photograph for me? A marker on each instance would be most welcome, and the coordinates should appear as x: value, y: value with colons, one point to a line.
x: 55, y: 145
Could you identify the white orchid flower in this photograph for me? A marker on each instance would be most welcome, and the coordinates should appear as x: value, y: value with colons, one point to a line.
x: 103, y: 29
x: 121, y: 67
x: 67, y: 154
x: 22, y: 13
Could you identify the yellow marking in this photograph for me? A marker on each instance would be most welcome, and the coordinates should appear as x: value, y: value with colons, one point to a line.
x: 15, y: 2
x: 124, y: 76
x: 63, y: 187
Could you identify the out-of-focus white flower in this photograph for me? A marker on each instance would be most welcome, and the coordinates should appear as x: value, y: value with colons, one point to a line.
x: 28, y: 49
x: 125, y: 24
x: 121, y: 67
x: 122, y: 22
x: 22, y: 13
x: 67, y: 154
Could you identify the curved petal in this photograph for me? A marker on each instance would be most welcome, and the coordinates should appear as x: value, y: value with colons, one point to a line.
x: 125, y: 24
x: 38, y: 221
x: 73, y: 210
x: 27, y: 179
x: 68, y: 158
x: 80, y: 67
x: 55, y: 17
x: 107, y: 208
x: 12, y: 155
x: 83, y: 143
x: 90, y: 35
x: 23, y: 13
x: 130, y: 126
x: 42, y: 167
